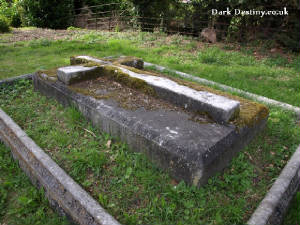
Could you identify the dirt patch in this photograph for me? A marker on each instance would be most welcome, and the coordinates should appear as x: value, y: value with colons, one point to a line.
x: 29, y: 34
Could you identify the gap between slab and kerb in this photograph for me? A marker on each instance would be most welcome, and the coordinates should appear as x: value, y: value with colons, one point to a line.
x: 228, y: 88
x: 272, y: 208
x: 63, y: 192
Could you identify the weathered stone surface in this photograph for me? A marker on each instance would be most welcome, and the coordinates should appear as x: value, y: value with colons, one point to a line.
x: 132, y: 62
x: 46, y: 77
x: 226, y: 88
x: 220, y: 108
x: 84, y: 58
x: 72, y: 74
x: 61, y: 190
x: 188, y: 150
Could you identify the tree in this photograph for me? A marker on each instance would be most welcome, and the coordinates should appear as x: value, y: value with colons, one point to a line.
x: 151, y: 11
x: 56, y: 14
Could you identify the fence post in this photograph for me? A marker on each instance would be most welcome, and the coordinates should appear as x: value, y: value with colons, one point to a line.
x: 109, y: 23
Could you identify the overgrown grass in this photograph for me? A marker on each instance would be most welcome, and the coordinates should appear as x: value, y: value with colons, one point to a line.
x: 20, y: 202
x: 133, y: 189
x: 274, y: 77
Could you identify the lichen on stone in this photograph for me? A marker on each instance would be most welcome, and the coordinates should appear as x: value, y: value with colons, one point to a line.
x: 250, y: 112
x: 117, y: 75
x: 74, y: 60
x: 130, y: 61
x: 48, y: 75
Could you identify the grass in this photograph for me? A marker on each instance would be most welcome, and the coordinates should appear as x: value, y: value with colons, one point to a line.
x: 134, y: 190
x: 276, y: 77
x: 293, y: 215
x: 20, y: 202
x: 148, y: 195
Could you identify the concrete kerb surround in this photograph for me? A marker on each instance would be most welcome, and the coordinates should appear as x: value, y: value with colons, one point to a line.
x: 10, y: 81
x: 273, y: 206
x: 63, y: 192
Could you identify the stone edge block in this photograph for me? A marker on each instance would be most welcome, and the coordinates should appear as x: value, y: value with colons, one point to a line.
x: 62, y: 191
x: 275, y: 204
x: 9, y: 81
x: 79, y: 73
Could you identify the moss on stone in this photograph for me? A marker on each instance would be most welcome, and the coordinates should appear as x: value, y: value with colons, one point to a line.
x: 143, y: 71
x: 51, y: 74
x: 117, y: 75
x: 132, y: 62
x: 91, y: 64
x: 76, y: 61
x: 87, y: 92
x: 250, y: 112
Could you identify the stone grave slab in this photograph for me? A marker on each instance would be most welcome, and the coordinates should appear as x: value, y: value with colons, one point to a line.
x: 190, y: 133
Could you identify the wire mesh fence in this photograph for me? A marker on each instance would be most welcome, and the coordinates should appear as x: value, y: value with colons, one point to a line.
x: 112, y: 17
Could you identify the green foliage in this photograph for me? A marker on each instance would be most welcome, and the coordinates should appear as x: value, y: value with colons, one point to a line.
x: 214, y: 55
x: 293, y: 215
x: 20, y: 202
x: 57, y: 14
x: 73, y: 28
x: 153, y: 11
x: 11, y: 10
x: 4, y: 24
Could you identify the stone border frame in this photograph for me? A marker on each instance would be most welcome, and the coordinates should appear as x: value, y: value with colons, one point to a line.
x: 272, y: 208
x: 10, y: 81
x: 66, y: 196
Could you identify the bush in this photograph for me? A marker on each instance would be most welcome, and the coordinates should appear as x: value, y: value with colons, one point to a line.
x: 4, y: 24
x: 56, y: 14
x: 15, y: 18
x: 11, y: 11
